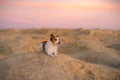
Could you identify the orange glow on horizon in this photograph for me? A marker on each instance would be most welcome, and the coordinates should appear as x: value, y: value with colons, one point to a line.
x: 95, y: 13
x: 97, y: 6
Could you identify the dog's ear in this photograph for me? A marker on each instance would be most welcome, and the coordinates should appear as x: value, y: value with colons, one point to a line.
x: 51, y: 35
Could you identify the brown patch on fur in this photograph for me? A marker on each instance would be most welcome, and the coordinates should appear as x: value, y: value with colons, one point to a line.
x: 57, y: 35
x: 44, y: 42
x: 53, y: 38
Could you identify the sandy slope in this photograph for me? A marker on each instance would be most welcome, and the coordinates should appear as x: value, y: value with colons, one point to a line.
x: 100, y: 49
x: 39, y: 66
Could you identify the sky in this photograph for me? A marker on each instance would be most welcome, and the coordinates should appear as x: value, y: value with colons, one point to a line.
x: 103, y: 14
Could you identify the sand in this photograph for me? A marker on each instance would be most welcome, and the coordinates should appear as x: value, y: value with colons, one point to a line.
x: 83, y: 55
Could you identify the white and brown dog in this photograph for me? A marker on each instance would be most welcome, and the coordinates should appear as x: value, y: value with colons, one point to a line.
x: 51, y: 46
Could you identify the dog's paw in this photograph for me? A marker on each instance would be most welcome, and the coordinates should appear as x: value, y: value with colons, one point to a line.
x: 52, y: 55
x: 56, y: 55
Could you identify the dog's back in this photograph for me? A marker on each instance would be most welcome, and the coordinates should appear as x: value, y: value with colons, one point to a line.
x: 42, y: 46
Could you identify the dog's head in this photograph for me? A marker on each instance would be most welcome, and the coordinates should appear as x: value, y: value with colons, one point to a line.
x: 55, y: 39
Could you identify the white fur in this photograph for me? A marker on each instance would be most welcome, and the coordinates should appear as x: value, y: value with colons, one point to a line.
x: 50, y: 47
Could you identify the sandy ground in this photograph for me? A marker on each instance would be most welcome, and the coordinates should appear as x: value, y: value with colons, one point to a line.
x: 83, y: 55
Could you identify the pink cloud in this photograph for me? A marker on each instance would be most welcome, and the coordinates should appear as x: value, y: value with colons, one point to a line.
x: 88, y: 6
x: 46, y: 13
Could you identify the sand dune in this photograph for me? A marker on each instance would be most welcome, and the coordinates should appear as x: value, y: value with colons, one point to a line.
x: 38, y: 66
x: 98, y: 48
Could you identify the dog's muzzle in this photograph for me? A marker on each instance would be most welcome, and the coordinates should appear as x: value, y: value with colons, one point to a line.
x: 59, y: 42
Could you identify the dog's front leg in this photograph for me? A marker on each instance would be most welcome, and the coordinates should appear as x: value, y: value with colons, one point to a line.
x: 56, y: 54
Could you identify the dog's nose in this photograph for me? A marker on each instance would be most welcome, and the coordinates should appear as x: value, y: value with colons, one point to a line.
x: 59, y: 42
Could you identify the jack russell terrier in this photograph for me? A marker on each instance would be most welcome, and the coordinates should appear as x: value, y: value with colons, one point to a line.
x: 51, y: 46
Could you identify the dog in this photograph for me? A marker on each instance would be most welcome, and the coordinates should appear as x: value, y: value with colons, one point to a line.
x: 51, y: 46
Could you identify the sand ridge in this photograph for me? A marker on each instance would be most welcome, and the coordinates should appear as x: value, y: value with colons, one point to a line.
x: 83, y: 55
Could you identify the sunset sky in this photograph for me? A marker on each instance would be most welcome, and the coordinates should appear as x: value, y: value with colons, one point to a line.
x: 104, y: 14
